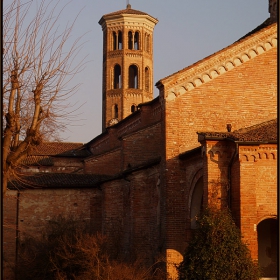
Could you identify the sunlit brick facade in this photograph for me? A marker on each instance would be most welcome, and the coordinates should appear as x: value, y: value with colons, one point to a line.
x: 210, y: 137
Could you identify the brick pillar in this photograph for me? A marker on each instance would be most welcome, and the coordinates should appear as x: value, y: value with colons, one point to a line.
x: 217, y: 158
x: 248, y: 202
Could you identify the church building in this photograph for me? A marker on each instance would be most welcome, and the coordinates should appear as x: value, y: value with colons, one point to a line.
x: 209, y: 137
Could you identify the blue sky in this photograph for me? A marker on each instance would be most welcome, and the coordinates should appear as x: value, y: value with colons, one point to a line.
x: 187, y: 31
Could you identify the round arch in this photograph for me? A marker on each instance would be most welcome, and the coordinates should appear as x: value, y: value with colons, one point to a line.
x: 196, y: 197
x: 133, y: 76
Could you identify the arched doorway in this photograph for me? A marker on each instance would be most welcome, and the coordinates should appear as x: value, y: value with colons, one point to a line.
x: 267, y: 247
x: 196, y: 202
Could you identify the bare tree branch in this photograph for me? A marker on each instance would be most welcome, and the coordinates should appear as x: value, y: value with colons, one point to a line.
x: 39, y: 61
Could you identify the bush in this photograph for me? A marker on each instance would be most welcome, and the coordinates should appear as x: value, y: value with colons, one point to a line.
x: 67, y: 251
x: 216, y: 251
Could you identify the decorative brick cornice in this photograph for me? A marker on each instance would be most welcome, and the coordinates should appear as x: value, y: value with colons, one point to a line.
x: 133, y: 94
x: 113, y: 54
x: 117, y: 93
x: 134, y: 54
x: 128, y: 20
x: 219, y: 63
x: 254, y: 154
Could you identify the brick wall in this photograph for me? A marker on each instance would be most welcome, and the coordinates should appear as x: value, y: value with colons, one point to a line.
x: 241, y: 97
x: 10, y: 208
x: 36, y: 206
x: 131, y: 215
x: 109, y: 163
x: 142, y: 146
x: 218, y: 158
x: 258, y: 192
x: 193, y: 167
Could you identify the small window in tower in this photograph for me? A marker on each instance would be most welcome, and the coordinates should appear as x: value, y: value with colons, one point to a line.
x: 147, y: 79
x: 133, y: 108
x: 130, y: 38
x: 117, y: 77
x: 120, y: 44
x: 115, y: 112
x: 133, y: 76
x: 114, y: 41
x: 136, y: 41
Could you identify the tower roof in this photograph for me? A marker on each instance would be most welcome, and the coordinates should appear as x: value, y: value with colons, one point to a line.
x: 127, y: 11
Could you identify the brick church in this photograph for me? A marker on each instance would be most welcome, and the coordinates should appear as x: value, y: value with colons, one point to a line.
x: 209, y: 136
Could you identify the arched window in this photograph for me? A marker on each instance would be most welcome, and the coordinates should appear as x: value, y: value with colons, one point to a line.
x: 133, y: 108
x: 133, y: 76
x: 267, y: 247
x: 117, y: 76
x: 136, y: 40
x: 120, y: 42
x: 147, y: 79
x: 130, y: 40
x: 196, y: 202
x: 115, y: 112
x: 115, y: 39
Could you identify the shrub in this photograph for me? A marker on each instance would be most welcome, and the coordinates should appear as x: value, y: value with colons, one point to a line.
x: 67, y: 251
x: 216, y: 251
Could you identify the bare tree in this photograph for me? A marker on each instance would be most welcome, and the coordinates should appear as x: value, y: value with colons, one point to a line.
x: 39, y: 60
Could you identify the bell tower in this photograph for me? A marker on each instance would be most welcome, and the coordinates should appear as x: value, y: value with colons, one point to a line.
x: 127, y: 63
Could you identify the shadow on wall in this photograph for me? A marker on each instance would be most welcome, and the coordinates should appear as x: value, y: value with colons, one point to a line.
x: 267, y: 247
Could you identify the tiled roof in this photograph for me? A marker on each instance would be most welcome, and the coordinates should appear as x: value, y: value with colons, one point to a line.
x: 37, y: 160
x: 126, y: 11
x: 266, y: 131
x: 59, y: 148
x: 263, y: 132
x: 57, y: 180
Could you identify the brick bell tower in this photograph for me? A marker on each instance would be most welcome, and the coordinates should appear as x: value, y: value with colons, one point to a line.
x: 127, y: 63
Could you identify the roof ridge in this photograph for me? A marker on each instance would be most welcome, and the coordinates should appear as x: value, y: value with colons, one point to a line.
x: 255, y: 126
x: 262, y: 132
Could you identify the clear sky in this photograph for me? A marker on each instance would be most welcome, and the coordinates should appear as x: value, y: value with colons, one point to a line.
x: 187, y: 31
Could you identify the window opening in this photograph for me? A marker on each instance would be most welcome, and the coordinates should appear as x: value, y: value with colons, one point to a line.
x: 120, y: 44
x: 130, y: 40
x: 133, y: 108
x: 117, y: 77
x: 147, y: 79
x: 133, y: 76
x: 114, y: 41
x: 196, y: 202
x: 136, y: 41
x: 115, y: 111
